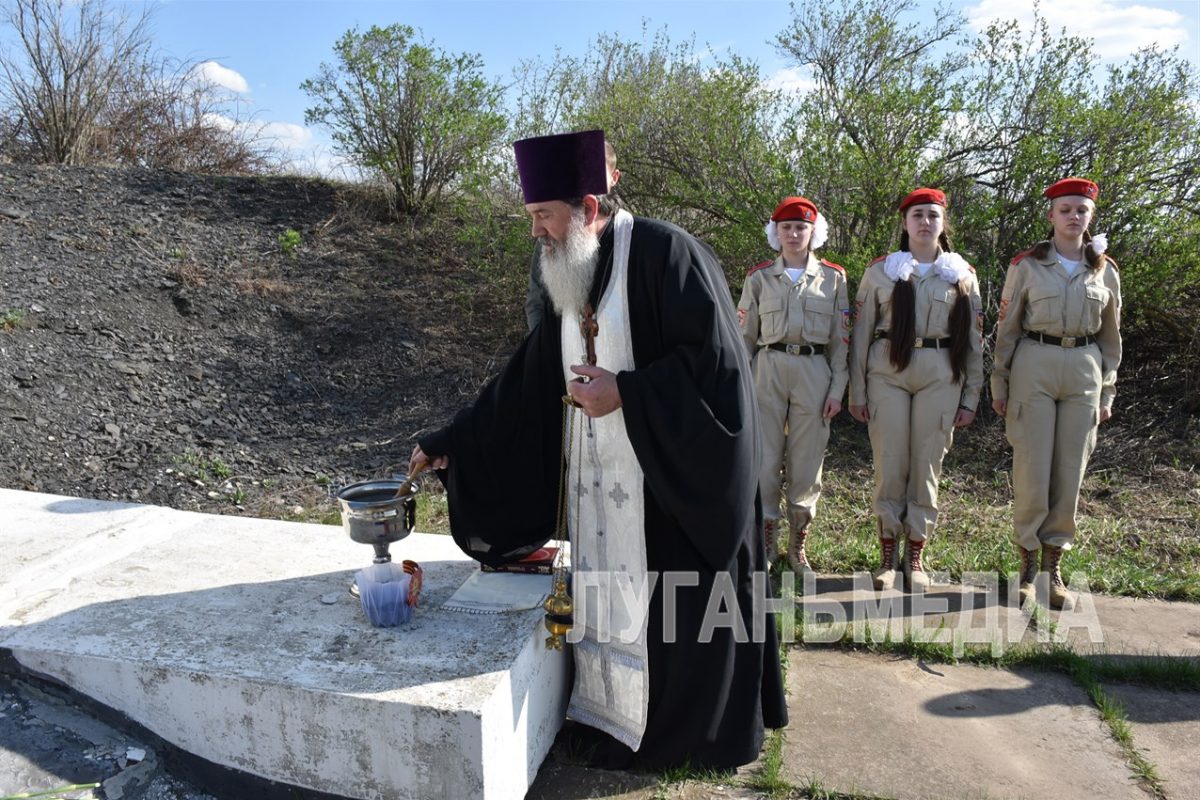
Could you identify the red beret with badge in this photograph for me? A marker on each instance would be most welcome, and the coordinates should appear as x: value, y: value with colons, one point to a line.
x: 795, y: 208
x: 1074, y: 187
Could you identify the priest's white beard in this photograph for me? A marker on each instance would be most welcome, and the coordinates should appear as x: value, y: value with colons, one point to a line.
x: 569, y: 267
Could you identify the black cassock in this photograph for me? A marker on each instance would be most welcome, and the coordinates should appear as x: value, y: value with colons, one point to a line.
x: 691, y: 416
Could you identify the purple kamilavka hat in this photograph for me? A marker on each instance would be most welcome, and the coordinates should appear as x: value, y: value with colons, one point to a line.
x: 562, y: 166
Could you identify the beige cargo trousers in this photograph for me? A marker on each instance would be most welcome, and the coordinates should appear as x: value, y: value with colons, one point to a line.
x: 911, y: 429
x: 791, y: 393
x: 1053, y: 412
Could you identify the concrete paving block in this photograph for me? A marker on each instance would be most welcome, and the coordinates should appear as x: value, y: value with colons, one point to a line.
x: 1139, y: 626
x: 982, y: 614
x: 1166, y: 729
x: 975, y: 615
x: 216, y: 633
x: 909, y: 730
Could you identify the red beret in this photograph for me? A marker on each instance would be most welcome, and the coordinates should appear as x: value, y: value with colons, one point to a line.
x: 1080, y: 187
x: 919, y: 196
x: 795, y: 208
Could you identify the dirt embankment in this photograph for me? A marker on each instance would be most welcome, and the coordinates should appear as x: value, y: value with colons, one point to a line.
x: 160, y: 343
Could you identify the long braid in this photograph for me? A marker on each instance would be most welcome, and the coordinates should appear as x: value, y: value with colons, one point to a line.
x: 960, y: 331
x: 904, y: 324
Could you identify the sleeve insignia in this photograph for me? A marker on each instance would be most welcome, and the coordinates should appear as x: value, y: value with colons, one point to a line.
x: 1003, y: 308
x: 846, y: 318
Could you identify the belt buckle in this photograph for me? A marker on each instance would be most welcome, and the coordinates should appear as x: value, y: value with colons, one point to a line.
x: 793, y: 349
x: 918, y: 343
x: 1068, y: 341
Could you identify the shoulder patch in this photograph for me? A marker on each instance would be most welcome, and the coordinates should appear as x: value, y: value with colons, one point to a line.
x: 1019, y: 256
x: 876, y: 261
x: 832, y: 265
x: 757, y: 267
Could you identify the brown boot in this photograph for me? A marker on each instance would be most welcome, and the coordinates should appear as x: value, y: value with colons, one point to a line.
x: 1051, y: 560
x: 1029, y: 570
x: 771, y: 538
x: 915, y: 577
x: 885, y: 576
x: 796, y: 555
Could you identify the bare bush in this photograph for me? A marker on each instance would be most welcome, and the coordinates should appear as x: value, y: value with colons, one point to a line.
x: 84, y: 87
x: 168, y: 116
x: 72, y: 54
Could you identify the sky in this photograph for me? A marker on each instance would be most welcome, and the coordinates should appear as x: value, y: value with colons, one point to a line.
x: 262, y: 50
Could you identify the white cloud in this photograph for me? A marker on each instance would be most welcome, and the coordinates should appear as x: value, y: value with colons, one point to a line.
x: 790, y: 79
x: 212, y: 72
x: 1118, y: 28
x: 220, y: 121
x: 302, y: 150
x: 320, y: 161
x: 288, y: 136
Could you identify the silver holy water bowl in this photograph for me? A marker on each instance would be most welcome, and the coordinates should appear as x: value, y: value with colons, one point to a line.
x: 373, y: 514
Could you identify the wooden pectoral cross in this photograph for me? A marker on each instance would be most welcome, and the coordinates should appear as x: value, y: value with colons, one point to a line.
x: 588, y: 328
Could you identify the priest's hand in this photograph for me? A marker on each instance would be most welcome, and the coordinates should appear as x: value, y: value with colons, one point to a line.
x: 419, y: 462
x: 597, y: 397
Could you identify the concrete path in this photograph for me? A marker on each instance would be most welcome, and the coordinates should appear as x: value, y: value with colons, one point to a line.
x: 906, y: 729
x: 838, y: 605
x: 1166, y: 728
x: 902, y: 728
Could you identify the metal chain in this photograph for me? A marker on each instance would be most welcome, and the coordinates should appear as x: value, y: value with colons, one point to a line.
x: 562, y: 531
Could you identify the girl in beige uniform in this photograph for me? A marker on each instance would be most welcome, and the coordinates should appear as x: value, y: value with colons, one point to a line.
x: 916, y: 370
x: 1058, y: 345
x: 795, y: 315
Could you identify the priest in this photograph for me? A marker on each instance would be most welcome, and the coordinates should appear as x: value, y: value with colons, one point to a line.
x: 676, y: 660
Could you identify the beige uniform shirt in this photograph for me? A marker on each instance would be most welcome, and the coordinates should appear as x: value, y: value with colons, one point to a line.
x: 935, y: 298
x: 816, y: 310
x: 1039, y: 296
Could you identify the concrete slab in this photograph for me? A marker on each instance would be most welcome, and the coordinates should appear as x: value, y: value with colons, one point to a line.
x: 980, y: 613
x: 1134, y: 626
x: 905, y: 729
x: 236, y: 640
x: 1166, y: 728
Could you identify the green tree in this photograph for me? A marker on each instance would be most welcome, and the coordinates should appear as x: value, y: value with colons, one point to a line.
x: 1035, y: 112
x: 422, y: 119
x: 993, y: 119
x: 698, y: 136
x: 885, y: 90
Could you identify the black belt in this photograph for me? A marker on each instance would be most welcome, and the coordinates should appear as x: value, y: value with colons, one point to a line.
x: 921, y: 342
x: 1061, y: 341
x: 797, y: 349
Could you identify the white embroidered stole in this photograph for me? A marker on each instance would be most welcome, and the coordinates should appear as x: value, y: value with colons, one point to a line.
x: 605, y: 503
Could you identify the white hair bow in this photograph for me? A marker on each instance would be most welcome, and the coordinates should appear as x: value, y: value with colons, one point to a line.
x: 820, y: 234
